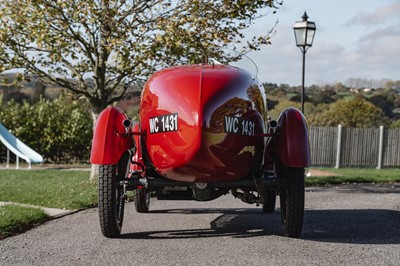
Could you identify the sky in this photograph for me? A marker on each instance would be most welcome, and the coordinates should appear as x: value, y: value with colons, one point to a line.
x: 354, y: 39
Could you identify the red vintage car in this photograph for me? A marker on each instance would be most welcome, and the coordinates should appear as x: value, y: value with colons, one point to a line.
x: 203, y: 132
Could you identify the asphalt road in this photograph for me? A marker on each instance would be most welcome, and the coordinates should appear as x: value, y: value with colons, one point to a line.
x: 347, y: 225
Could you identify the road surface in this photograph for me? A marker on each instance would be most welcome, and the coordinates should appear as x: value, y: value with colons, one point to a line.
x: 346, y: 225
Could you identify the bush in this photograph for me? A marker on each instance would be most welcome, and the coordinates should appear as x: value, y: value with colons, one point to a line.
x: 395, y: 124
x: 60, y: 130
x: 355, y: 112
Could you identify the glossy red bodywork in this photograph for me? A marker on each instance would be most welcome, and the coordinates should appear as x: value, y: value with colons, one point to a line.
x: 202, y: 147
x: 110, y: 140
x: 202, y: 96
x: 291, y: 143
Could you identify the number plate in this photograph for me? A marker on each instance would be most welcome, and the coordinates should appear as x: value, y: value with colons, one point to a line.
x: 238, y: 125
x: 163, y: 123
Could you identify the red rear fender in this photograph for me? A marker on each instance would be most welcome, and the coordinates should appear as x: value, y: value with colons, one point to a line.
x: 291, y: 143
x: 110, y: 140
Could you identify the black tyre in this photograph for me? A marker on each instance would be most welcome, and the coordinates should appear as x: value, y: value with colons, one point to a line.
x: 292, y: 200
x: 269, y: 204
x: 142, y: 200
x: 111, y: 201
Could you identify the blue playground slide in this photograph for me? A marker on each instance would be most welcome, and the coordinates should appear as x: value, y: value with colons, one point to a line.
x: 20, y: 149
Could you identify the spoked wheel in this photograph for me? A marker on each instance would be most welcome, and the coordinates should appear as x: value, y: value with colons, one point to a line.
x: 111, y: 201
x: 269, y: 203
x: 292, y: 200
x: 142, y: 200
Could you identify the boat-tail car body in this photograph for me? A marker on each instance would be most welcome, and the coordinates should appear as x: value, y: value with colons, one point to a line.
x: 203, y: 132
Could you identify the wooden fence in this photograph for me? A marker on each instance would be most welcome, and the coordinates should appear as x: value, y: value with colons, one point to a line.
x: 354, y: 147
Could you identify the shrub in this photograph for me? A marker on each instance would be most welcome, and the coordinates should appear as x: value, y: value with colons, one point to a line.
x: 60, y: 130
x: 355, y: 112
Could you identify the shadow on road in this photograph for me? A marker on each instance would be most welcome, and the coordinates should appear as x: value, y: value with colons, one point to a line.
x: 236, y: 223
x: 336, y: 226
x: 352, y: 226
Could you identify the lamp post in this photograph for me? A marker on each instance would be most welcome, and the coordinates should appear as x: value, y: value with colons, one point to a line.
x: 304, y: 32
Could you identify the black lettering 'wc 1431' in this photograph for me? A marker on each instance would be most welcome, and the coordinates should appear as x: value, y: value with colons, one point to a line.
x: 164, y: 123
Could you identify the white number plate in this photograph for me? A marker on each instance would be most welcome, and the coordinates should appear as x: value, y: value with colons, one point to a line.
x: 163, y: 123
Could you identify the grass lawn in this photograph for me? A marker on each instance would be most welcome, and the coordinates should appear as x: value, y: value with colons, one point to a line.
x: 17, y: 219
x: 355, y: 175
x: 48, y: 188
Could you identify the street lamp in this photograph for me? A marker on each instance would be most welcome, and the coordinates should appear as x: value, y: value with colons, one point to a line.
x: 304, y: 32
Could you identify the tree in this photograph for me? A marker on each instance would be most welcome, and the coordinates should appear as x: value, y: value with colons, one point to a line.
x: 356, y: 112
x: 325, y: 96
x: 339, y: 87
x: 383, y: 102
x: 395, y: 124
x: 118, y: 42
x: 283, y: 104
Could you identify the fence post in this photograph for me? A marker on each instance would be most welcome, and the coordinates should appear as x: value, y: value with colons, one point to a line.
x: 339, y: 146
x: 380, y: 153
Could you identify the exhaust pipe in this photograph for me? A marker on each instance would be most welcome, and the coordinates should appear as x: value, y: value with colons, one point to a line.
x: 272, y: 123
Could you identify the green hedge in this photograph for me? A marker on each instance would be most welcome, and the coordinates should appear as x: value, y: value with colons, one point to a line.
x: 60, y: 130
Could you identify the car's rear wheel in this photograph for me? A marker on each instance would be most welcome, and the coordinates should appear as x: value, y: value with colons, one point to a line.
x: 111, y: 199
x: 292, y: 200
x: 142, y: 200
x: 269, y: 203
